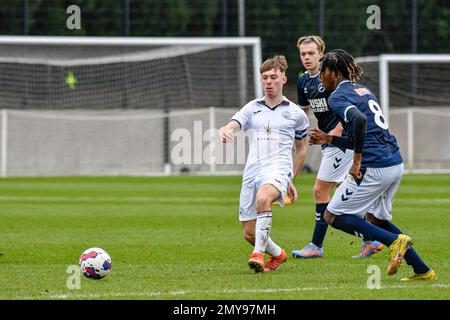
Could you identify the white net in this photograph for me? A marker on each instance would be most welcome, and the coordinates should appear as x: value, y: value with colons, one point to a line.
x: 116, y: 108
x: 419, y: 100
x: 410, y: 84
x: 85, y: 77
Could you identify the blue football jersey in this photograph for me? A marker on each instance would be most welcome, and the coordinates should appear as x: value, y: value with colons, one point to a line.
x: 310, y: 92
x: 380, y: 146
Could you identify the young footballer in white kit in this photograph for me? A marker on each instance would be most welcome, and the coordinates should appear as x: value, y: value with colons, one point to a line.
x: 275, y: 126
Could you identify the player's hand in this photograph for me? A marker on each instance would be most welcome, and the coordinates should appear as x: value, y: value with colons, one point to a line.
x: 317, y: 136
x: 292, y: 193
x: 226, y: 134
x: 355, y: 170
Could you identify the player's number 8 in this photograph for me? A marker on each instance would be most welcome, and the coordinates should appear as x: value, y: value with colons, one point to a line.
x: 379, y: 119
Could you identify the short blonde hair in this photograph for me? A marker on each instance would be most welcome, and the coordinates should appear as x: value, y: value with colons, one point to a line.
x: 276, y: 62
x: 312, y: 39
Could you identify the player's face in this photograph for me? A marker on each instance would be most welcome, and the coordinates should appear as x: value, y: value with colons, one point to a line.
x: 310, y: 56
x: 273, y: 81
x: 329, y: 79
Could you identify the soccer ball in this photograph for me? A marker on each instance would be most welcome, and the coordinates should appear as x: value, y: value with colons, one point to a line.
x: 95, y: 263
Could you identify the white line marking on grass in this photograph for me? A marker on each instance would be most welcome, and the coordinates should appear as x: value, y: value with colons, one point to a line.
x: 159, y: 199
x: 224, y: 291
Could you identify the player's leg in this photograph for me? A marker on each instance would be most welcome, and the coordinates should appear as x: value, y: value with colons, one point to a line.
x: 248, y: 218
x: 421, y: 270
x: 273, y: 187
x: 322, y: 190
x: 355, y: 225
x: 350, y: 202
x: 248, y: 229
x: 334, y: 167
x: 382, y: 217
x: 368, y: 248
x: 264, y: 199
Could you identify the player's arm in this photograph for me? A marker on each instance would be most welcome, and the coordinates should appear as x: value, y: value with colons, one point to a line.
x: 359, y: 124
x: 299, y: 156
x: 320, y: 137
x: 299, y: 151
x: 337, y: 131
x: 226, y: 133
x: 302, y: 100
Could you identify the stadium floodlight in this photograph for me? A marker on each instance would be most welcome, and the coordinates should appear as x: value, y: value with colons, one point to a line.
x: 102, y: 91
x: 410, y: 84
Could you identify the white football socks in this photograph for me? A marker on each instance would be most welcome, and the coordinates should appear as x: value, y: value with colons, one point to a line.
x: 262, y: 232
x: 272, y: 248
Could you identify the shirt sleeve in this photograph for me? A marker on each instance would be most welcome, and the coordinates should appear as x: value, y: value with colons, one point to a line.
x: 301, y: 128
x: 301, y: 97
x: 340, y: 105
x: 243, y: 116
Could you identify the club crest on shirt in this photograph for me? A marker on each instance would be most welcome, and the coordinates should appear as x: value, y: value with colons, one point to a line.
x: 286, y: 115
x: 321, y: 88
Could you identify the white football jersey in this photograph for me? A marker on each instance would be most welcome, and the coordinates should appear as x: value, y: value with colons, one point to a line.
x: 271, y: 135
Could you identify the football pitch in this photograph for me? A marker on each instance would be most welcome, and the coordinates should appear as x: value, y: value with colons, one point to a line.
x: 179, y: 238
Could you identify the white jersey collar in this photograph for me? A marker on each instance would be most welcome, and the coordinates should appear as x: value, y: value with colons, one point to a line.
x: 284, y: 101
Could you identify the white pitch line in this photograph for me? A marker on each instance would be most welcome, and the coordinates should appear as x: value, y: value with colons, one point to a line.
x: 171, y: 199
x: 225, y: 291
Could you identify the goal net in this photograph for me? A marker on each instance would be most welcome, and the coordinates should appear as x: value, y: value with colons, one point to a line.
x: 413, y: 93
x: 109, y: 106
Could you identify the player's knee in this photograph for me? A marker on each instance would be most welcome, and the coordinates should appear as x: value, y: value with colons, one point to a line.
x: 320, y: 195
x: 263, y: 202
x: 328, y: 217
x: 373, y: 220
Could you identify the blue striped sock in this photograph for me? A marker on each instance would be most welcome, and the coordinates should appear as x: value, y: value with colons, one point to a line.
x: 320, y: 229
x: 359, y: 227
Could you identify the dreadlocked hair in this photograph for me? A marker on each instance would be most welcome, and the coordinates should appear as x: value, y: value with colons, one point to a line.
x: 341, y: 62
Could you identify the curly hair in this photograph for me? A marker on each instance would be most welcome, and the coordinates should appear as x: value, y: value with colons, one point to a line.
x: 341, y: 62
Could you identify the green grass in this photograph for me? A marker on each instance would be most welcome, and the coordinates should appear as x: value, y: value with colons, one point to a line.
x: 180, y: 238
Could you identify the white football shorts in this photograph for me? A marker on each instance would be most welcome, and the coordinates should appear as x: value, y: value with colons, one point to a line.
x: 374, y: 194
x: 335, y: 164
x: 247, y: 201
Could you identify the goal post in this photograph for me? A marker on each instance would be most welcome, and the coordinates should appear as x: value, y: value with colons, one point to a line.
x: 110, y: 105
x: 217, y: 42
x: 414, y: 97
x: 386, y: 59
